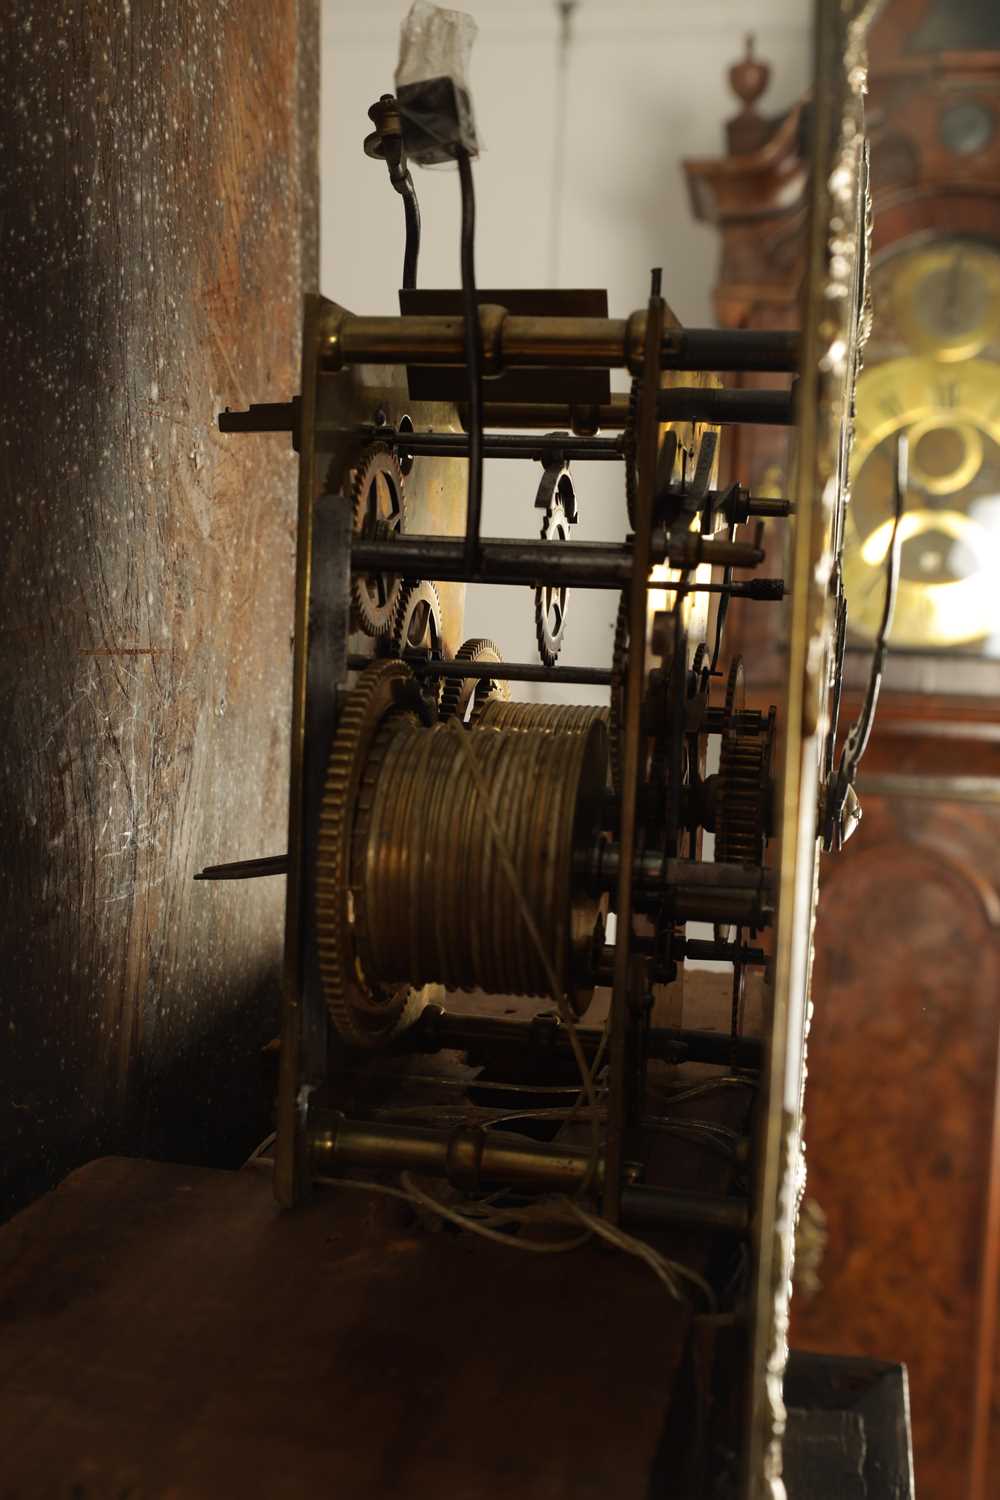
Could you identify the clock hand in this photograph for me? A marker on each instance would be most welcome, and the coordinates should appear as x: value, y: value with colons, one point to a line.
x: 951, y: 299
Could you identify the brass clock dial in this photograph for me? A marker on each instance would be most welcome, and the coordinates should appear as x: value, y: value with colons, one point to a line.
x: 946, y: 298
x: 949, y: 591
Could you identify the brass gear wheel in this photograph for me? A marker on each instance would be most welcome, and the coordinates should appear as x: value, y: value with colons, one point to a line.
x: 416, y: 623
x: 743, y: 788
x: 740, y: 818
x: 619, y: 661
x: 379, y: 492
x: 364, y: 1016
x: 551, y: 600
x: 459, y: 692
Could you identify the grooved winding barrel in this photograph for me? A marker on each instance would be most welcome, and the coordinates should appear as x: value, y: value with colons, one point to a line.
x: 562, y: 718
x: 413, y: 885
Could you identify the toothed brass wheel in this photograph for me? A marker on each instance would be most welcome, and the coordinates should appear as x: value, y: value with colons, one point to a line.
x: 379, y: 513
x: 459, y: 692
x: 417, y: 622
x: 743, y: 794
x: 616, y: 711
x: 366, y: 1015
x: 551, y: 600
x: 417, y: 626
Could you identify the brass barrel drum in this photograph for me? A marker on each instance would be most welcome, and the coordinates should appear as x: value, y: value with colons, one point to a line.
x: 557, y: 718
x: 413, y: 885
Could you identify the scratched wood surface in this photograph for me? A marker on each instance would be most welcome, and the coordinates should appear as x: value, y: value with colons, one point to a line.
x: 906, y: 1011
x: 158, y: 212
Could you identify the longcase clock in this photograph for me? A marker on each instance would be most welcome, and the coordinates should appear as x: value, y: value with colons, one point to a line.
x: 903, y: 1098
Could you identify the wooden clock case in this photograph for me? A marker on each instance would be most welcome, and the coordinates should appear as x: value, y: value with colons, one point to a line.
x: 903, y: 1097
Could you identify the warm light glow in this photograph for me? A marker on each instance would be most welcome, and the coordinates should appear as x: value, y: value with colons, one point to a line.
x: 914, y: 523
x: 657, y: 598
x: 962, y: 610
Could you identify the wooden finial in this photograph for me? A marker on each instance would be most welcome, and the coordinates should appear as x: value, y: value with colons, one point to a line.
x: 749, y: 78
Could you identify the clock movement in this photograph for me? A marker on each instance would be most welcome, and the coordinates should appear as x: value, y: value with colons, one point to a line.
x: 457, y: 858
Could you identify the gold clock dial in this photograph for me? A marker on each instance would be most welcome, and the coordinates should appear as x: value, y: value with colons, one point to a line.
x: 949, y: 591
x: 946, y: 298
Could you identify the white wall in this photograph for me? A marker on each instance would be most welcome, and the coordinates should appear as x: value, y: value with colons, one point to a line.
x: 646, y: 87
